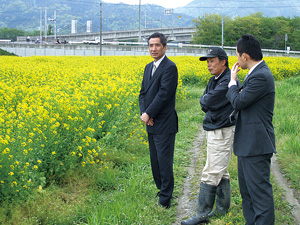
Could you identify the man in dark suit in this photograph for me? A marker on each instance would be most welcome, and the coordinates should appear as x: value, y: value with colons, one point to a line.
x: 254, y: 140
x: 157, y: 106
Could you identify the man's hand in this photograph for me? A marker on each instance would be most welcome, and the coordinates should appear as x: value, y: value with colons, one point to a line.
x: 151, y: 123
x: 235, y: 69
x: 146, y: 119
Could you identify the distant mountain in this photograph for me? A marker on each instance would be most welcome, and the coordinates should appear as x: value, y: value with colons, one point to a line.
x: 25, y: 15
x: 233, y: 8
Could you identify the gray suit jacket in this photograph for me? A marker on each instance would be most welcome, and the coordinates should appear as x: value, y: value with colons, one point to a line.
x: 254, y: 133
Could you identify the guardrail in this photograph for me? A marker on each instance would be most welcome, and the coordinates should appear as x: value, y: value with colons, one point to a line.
x: 5, y: 41
x: 120, y: 48
x: 183, y: 45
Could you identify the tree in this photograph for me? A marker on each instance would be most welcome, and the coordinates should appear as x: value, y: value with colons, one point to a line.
x: 10, y: 33
x: 270, y: 31
x: 282, y: 26
x: 50, y: 30
x: 294, y: 37
x: 242, y: 25
x: 209, y: 30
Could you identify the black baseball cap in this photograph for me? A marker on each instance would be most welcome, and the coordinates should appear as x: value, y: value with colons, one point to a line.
x: 214, y: 52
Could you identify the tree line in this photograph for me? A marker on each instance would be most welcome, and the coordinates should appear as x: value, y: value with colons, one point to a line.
x: 271, y: 31
x: 13, y: 33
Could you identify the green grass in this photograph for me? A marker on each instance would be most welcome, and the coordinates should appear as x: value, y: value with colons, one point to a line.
x: 3, y: 52
x: 287, y: 128
x: 125, y: 192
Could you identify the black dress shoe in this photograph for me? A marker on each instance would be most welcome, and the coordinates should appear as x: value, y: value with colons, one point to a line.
x: 163, y: 206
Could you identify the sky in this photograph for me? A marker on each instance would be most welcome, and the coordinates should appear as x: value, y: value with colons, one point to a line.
x: 163, y: 3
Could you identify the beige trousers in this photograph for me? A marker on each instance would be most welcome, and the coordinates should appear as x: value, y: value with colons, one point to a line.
x: 219, y: 150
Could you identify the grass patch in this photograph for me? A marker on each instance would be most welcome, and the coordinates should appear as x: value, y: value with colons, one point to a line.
x: 287, y: 128
x: 3, y: 52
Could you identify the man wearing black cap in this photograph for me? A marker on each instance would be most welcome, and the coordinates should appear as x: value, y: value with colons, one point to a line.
x: 220, y: 132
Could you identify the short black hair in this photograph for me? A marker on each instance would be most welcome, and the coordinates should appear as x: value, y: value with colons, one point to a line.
x: 222, y: 58
x: 250, y: 45
x: 163, y: 39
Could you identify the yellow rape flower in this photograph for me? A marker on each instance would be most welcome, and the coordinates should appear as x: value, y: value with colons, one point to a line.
x: 5, y: 151
x: 14, y: 183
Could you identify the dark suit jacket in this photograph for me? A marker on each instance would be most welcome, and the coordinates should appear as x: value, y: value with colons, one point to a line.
x: 158, y: 95
x: 254, y: 133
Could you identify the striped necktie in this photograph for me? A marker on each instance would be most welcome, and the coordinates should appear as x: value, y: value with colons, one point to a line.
x: 153, y: 70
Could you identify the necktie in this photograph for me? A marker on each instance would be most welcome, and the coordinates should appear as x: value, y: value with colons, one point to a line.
x: 153, y: 70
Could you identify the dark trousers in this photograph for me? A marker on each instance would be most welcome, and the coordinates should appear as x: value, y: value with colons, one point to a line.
x: 256, y: 189
x: 161, y: 155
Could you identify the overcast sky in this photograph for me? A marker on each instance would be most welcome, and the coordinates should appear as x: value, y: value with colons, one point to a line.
x: 164, y: 3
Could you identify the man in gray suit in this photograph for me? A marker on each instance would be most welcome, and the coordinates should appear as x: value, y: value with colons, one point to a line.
x: 254, y: 140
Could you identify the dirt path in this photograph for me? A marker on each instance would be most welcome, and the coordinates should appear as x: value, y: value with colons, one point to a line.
x: 188, y: 201
x: 290, y: 195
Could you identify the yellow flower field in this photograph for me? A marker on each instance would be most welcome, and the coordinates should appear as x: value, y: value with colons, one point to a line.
x: 54, y: 112
x: 57, y: 112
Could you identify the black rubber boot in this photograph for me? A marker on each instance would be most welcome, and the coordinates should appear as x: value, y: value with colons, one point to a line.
x: 223, y: 198
x: 206, y: 202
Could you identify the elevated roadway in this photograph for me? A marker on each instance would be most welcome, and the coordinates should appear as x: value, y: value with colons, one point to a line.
x: 176, y: 34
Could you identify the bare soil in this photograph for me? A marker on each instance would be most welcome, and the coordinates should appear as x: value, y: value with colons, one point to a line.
x: 187, y: 203
x: 291, y: 195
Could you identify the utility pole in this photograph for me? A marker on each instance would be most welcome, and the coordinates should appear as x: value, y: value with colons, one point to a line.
x: 54, y: 20
x: 55, y: 24
x: 41, y: 24
x: 222, y: 32
x: 171, y: 12
x: 100, y: 42
x: 45, y: 24
x: 140, y: 33
x: 145, y: 19
x: 285, y: 40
